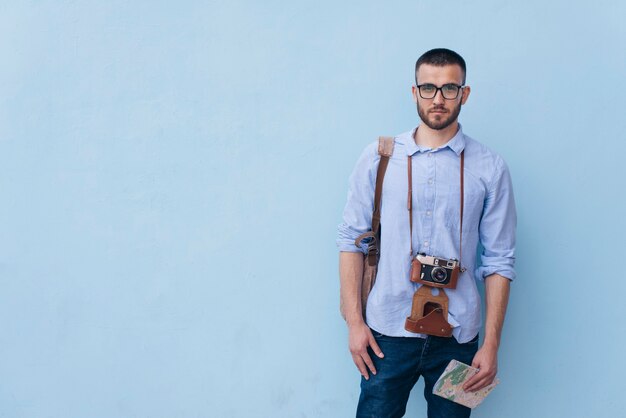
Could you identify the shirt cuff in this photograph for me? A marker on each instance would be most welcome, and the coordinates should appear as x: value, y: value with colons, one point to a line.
x: 484, y: 271
x: 349, y: 247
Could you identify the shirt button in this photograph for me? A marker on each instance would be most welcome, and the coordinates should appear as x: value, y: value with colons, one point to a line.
x: 428, y: 213
x: 426, y: 243
x: 430, y: 181
x: 430, y: 154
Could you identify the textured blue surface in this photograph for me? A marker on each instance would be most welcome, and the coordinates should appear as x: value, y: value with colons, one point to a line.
x: 172, y: 176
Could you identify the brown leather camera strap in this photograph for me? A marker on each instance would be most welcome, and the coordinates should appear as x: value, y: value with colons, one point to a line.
x: 410, y: 205
x: 461, y: 215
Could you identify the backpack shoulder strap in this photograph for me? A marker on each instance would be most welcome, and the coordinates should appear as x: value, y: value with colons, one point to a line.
x: 385, y: 150
x: 385, y: 146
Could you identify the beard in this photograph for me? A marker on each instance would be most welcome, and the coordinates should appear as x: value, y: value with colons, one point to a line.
x: 438, y: 121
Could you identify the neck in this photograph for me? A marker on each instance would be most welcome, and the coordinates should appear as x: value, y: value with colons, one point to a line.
x: 432, y: 138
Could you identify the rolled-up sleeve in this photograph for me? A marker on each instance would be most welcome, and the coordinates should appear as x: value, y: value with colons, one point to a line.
x: 497, y: 227
x: 357, y: 214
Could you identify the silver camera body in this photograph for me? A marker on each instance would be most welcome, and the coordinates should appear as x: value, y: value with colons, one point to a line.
x: 436, y: 271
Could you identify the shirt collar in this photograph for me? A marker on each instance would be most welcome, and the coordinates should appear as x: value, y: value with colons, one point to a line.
x: 456, y: 143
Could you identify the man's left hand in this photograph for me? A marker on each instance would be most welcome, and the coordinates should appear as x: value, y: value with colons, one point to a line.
x: 486, y: 360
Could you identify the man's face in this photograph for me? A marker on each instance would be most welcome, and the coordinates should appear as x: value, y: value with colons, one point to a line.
x: 439, y: 113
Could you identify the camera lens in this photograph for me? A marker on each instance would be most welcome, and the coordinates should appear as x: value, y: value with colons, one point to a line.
x: 439, y: 275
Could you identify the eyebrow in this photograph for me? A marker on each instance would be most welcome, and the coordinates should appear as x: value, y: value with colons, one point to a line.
x: 433, y: 84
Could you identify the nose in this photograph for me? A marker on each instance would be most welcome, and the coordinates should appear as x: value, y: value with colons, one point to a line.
x: 438, y: 97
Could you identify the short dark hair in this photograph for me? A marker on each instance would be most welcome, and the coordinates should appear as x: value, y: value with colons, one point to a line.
x: 440, y: 57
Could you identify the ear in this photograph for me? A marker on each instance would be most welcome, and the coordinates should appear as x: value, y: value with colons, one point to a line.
x: 414, y: 91
x: 466, y: 92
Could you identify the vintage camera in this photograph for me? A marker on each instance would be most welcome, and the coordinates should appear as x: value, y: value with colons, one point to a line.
x: 435, y: 271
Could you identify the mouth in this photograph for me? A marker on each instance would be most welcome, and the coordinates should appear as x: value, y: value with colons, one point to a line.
x: 438, y: 111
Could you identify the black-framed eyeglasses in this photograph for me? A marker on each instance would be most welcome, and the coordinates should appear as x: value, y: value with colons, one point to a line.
x: 449, y: 91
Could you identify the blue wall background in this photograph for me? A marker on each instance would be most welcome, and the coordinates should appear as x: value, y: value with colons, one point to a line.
x: 172, y: 176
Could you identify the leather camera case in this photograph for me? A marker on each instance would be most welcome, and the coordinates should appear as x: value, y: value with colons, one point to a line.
x: 429, y: 314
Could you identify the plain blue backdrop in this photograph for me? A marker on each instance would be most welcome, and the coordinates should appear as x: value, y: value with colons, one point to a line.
x: 172, y: 175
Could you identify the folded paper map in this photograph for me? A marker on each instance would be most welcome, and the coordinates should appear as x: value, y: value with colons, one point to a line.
x: 450, y: 385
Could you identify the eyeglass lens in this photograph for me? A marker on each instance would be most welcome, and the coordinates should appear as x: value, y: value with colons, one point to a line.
x: 449, y: 91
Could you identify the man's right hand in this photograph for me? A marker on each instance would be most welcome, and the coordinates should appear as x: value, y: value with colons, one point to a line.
x: 360, y: 339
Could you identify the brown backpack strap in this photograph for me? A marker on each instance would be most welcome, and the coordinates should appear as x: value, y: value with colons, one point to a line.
x: 385, y: 146
x: 385, y: 150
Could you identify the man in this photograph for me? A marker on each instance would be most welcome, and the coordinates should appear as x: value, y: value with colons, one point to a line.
x: 390, y: 358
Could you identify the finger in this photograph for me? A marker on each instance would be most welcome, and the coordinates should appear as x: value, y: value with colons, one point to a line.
x: 476, y: 363
x: 358, y: 361
x: 474, y: 379
x: 477, y: 386
x: 368, y: 360
x: 471, y: 382
x: 484, y: 381
x: 376, y: 348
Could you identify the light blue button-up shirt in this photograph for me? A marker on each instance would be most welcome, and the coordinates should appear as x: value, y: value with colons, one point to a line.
x: 489, y: 217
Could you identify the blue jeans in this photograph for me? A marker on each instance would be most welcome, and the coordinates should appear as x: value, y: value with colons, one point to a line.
x: 385, y: 394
